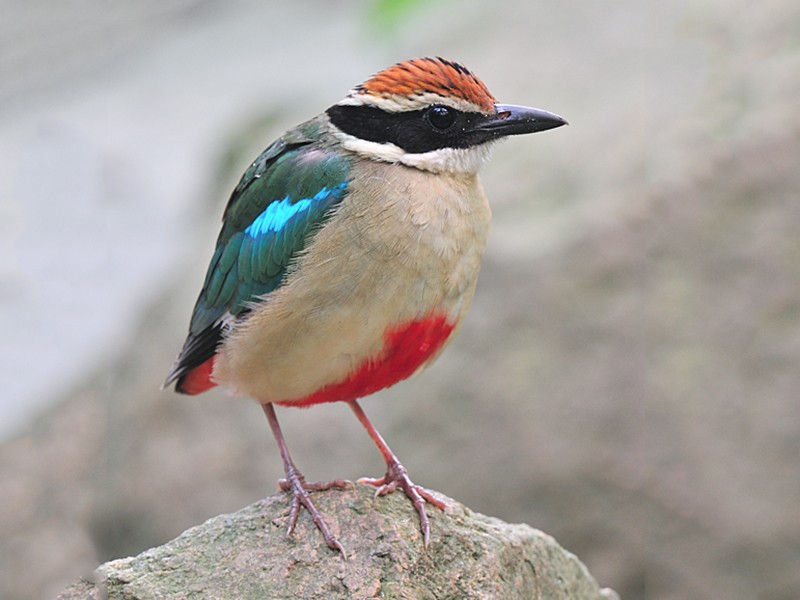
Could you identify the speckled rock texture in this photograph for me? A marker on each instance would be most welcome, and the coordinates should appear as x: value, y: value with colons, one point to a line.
x: 247, y: 554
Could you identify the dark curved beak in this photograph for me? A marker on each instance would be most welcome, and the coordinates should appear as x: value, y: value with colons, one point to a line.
x: 516, y: 120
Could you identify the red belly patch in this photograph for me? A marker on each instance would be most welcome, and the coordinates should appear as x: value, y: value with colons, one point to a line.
x: 407, y: 347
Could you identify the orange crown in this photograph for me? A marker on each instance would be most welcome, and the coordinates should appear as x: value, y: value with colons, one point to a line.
x: 436, y: 76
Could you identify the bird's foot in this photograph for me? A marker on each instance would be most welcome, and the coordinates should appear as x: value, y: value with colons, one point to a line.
x: 297, y: 485
x: 397, y: 477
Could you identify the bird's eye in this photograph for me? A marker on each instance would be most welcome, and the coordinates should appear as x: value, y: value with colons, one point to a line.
x: 441, y: 117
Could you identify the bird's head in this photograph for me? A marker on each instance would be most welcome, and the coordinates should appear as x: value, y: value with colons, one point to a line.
x: 432, y: 114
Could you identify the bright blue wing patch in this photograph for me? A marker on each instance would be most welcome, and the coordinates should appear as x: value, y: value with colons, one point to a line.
x: 277, y: 214
x: 252, y: 262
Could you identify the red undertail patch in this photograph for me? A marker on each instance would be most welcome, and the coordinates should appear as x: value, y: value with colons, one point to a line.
x: 407, y: 347
x: 198, y: 380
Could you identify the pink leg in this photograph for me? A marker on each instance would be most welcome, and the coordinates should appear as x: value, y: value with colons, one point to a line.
x: 397, y: 476
x: 296, y: 483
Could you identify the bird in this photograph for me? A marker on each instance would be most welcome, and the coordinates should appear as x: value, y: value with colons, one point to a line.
x: 349, y: 255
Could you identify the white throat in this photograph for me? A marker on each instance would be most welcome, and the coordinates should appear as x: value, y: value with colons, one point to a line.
x: 444, y: 160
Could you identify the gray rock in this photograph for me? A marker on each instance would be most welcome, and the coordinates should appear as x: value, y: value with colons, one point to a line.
x: 247, y: 554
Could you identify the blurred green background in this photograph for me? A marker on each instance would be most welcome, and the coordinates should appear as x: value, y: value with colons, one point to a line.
x: 627, y: 380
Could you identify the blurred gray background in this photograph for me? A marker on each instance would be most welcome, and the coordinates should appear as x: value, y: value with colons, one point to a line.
x: 627, y: 380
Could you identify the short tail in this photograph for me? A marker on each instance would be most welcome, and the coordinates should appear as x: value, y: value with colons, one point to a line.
x: 194, y: 367
x: 194, y: 381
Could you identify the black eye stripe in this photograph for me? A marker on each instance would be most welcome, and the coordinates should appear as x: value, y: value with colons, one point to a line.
x: 414, y: 131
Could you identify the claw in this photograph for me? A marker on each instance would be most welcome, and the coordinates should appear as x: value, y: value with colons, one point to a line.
x: 296, y: 484
x: 397, y: 477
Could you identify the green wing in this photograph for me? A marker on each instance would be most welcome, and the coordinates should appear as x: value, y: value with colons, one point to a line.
x: 281, y: 201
